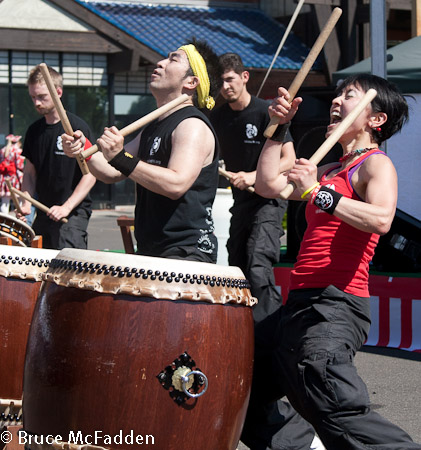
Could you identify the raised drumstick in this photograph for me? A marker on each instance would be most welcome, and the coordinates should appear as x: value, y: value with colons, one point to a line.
x: 324, y: 149
x: 36, y: 203
x: 281, y: 44
x: 13, y: 195
x: 307, y: 65
x: 225, y: 174
x: 141, y: 122
x: 61, y: 112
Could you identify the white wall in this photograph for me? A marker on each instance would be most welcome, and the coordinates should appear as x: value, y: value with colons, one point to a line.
x: 222, y: 217
x: 405, y: 151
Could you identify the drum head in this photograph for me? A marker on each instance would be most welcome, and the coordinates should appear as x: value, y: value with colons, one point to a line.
x: 24, y: 263
x: 145, y: 276
x: 17, y: 230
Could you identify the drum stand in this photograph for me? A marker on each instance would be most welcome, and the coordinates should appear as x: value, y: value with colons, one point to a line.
x: 36, y: 242
x: 11, y: 424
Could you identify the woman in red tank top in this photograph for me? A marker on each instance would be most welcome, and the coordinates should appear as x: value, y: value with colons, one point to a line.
x: 326, y: 318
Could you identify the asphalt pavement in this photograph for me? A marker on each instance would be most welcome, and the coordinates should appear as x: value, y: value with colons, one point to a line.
x: 393, y: 376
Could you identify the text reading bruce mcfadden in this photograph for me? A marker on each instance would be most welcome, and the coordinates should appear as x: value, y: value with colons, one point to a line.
x: 98, y: 438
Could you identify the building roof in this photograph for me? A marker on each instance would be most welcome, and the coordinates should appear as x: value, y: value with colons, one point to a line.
x: 248, y: 32
x: 403, y: 66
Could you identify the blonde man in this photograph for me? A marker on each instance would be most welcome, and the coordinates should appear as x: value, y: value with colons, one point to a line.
x: 56, y: 179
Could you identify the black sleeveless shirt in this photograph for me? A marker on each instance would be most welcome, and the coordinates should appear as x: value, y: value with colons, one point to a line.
x: 162, y: 223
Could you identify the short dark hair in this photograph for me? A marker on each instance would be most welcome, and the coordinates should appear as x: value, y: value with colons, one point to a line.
x: 36, y: 77
x: 388, y: 100
x: 212, y: 65
x: 232, y: 61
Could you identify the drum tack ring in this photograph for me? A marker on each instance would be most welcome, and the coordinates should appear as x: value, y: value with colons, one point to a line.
x: 183, y: 379
x: 203, y: 379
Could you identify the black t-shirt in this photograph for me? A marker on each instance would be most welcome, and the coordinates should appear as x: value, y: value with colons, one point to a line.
x: 57, y: 174
x: 240, y: 135
x: 162, y: 223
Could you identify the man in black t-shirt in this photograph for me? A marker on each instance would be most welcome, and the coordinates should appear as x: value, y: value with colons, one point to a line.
x: 254, y: 246
x: 173, y: 161
x: 55, y: 178
x: 256, y: 222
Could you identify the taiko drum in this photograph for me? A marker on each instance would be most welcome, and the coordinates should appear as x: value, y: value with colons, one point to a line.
x: 20, y: 280
x: 136, y: 346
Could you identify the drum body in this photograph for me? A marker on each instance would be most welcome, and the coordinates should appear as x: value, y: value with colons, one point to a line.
x: 17, y: 230
x: 112, y: 338
x: 20, y: 279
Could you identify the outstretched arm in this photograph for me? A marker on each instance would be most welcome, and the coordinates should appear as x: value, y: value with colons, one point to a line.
x: 98, y: 165
x: 276, y: 158
x: 193, y: 147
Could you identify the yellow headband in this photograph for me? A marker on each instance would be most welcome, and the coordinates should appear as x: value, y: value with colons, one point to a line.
x: 198, y: 66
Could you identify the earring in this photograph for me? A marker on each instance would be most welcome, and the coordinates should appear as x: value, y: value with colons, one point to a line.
x: 377, y: 129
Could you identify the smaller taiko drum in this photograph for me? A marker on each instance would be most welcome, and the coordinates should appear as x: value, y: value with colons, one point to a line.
x: 17, y: 230
x: 20, y: 280
x: 126, y: 348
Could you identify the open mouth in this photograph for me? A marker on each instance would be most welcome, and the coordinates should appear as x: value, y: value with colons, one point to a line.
x: 335, y: 118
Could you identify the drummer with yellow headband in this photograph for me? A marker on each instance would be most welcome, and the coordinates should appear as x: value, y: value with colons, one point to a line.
x: 173, y: 161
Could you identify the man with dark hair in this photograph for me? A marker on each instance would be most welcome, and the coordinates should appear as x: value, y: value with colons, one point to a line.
x: 254, y: 246
x: 174, y: 160
x: 56, y: 180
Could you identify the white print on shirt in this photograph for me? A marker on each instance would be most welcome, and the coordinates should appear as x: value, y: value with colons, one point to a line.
x: 59, y: 144
x: 204, y: 244
x: 209, y: 219
x: 251, y: 131
x: 155, y: 146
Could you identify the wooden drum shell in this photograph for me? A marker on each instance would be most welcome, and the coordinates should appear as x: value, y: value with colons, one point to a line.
x: 20, y: 280
x: 93, y: 359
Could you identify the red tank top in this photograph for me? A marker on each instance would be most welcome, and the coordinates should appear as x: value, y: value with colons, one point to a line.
x: 333, y: 252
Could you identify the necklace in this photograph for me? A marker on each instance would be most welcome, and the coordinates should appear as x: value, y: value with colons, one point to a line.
x: 358, y: 152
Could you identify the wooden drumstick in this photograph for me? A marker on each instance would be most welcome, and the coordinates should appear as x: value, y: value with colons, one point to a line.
x: 61, y: 112
x: 13, y: 195
x: 225, y: 174
x: 284, y: 38
x: 36, y: 203
x: 141, y: 122
x: 339, y: 130
x: 307, y: 65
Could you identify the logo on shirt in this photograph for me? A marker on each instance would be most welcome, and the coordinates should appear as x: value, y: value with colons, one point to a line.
x: 204, y: 243
x: 251, y: 131
x: 155, y: 146
x: 59, y: 145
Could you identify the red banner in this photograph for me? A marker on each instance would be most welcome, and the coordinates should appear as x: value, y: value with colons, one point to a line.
x: 395, y: 304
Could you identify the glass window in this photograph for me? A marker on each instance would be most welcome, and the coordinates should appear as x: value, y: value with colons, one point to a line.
x: 129, y: 108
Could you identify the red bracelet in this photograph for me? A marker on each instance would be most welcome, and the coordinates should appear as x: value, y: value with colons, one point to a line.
x: 87, y: 145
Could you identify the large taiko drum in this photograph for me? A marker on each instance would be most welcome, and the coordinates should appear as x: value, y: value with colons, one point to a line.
x: 20, y: 280
x: 17, y: 230
x: 127, y: 350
